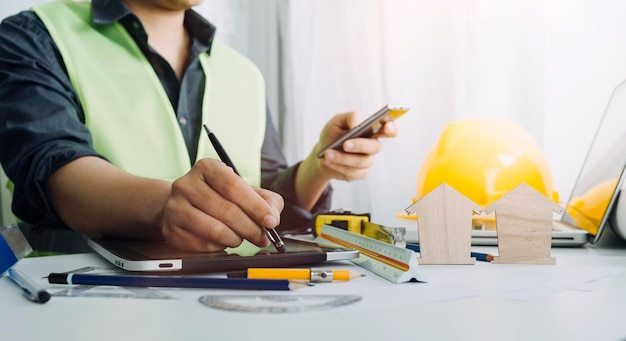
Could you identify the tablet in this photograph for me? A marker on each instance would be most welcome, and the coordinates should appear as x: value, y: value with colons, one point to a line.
x: 159, y: 256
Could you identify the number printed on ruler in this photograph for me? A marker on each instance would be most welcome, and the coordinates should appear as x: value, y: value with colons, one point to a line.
x: 381, y: 249
x: 389, y: 261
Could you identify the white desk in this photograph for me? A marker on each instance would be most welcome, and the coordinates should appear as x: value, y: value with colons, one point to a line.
x: 583, y: 297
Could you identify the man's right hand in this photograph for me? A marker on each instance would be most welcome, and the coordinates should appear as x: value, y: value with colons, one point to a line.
x: 211, y: 208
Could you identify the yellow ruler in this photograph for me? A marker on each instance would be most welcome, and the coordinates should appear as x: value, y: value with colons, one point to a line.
x: 391, y: 262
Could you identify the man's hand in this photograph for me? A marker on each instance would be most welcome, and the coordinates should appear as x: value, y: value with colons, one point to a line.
x: 352, y: 163
x: 358, y: 154
x: 212, y: 208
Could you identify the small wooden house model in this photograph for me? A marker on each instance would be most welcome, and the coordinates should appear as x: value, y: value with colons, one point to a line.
x: 524, y: 225
x: 444, y: 226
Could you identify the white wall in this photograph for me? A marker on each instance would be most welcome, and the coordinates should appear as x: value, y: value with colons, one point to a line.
x: 585, y: 59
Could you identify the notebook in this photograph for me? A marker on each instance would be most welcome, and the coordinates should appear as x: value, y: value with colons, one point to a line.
x: 159, y: 256
x: 595, y: 191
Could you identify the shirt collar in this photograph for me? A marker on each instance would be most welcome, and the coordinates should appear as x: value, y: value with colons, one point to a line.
x: 111, y: 11
x: 108, y: 11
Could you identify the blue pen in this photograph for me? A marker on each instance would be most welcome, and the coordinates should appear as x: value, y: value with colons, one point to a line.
x: 483, y: 257
x: 173, y: 282
x: 29, y: 288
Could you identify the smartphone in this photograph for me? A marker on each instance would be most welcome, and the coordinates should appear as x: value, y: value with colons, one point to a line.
x: 369, y: 127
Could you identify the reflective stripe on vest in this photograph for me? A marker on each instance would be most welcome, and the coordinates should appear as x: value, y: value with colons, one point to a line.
x: 127, y: 111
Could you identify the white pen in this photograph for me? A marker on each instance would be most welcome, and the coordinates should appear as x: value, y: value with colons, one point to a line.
x: 30, y: 289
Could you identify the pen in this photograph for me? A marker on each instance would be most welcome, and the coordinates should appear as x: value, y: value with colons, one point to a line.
x: 272, y: 234
x: 312, y: 275
x: 483, y: 257
x: 173, y: 282
x: 30, y: 289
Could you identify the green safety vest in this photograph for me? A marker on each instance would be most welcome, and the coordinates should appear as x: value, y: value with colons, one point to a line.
x: 127, y: 111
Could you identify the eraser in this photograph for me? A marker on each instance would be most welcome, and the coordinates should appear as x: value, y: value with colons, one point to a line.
x: 13, y: 246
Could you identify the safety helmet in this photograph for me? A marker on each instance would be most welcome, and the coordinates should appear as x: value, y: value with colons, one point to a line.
x: 483, y: 159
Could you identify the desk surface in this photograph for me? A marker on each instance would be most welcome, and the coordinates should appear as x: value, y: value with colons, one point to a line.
x: 582, y: 297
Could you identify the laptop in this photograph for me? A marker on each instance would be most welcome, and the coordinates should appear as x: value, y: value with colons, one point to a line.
x: 159, y: 256
x: 596, y: 189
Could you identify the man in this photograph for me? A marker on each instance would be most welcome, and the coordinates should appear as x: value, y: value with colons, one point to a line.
x: 103, y: 105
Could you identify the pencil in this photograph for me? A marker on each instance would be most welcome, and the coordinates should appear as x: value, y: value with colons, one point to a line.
x: 173, y: 282
x: 272, y: 234
x: 483, y: 257
x: 312, y: 275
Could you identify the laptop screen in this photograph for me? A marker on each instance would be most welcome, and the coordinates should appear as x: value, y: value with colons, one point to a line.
x: 600, y: 177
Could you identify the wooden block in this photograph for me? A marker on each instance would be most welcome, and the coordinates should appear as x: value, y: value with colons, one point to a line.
x: 524, y: 226
x: 444, y: 226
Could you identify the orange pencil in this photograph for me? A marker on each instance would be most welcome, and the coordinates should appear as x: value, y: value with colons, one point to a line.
x: 312, y: 275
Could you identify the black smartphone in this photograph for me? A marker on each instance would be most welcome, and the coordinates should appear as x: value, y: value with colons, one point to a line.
x: 369, y: 127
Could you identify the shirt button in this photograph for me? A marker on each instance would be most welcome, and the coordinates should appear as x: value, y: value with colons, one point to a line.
x: 182, y: 121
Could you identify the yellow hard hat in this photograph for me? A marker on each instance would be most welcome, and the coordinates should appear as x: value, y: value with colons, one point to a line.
x: 485, y: 158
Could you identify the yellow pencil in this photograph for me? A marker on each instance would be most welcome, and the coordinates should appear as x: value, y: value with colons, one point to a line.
x: 312, y: 275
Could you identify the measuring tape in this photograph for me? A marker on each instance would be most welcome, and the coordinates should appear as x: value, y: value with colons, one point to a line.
x: 391, y: 262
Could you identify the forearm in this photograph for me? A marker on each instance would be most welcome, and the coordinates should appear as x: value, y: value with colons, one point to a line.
x: 310, y: 182
x: 94, y: 197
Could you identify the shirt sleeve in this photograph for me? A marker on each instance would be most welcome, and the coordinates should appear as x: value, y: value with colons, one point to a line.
x: 278, y: 177
x: 40, y: 136
x: 41, y: 128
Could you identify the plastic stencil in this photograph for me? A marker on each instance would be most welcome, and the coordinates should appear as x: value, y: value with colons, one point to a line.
x: 277, y: 303
x: 112, y: 292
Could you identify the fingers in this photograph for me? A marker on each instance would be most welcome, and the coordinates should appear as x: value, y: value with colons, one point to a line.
x: 211, y: 207
x: 214, y: 236
x: 341, y: 123
x: 233, y: 202
x: 367, y: 146
x: 390, y: 129
x: 354, y: 163
x: 351, y: 119
x: 348, y: 166
x: 357, y: 154
x: 275, y: 201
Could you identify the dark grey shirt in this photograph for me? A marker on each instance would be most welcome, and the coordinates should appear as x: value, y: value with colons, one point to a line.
x: 42, y: 121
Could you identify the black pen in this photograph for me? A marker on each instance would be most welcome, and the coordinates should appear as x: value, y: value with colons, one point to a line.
x: 29, y: 288
x: 272, y: 234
